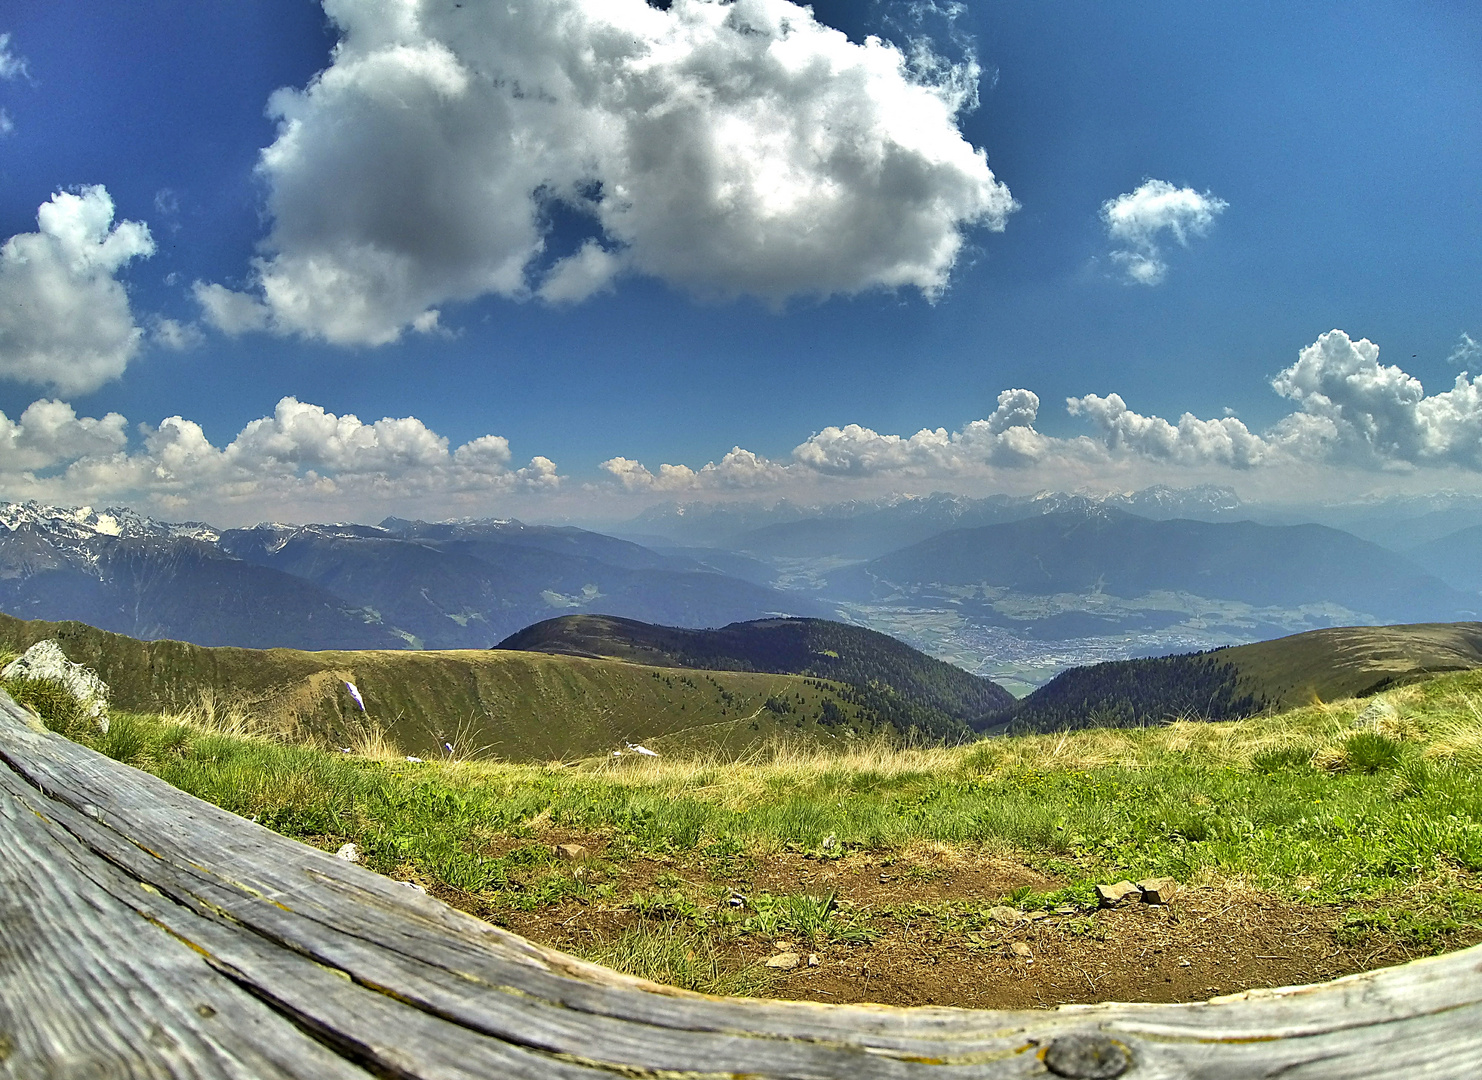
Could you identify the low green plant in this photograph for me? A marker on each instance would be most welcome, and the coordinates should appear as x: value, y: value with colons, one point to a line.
x: 50, y: 700
x: 678, y: 954
x: 1369, y: 751
x: 1277, y: 759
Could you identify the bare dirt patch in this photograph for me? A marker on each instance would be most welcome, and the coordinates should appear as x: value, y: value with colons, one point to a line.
x: 913, y: 931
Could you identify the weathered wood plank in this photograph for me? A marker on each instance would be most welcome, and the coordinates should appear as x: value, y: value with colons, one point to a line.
x: 87, y: 987
x: 143, y: 894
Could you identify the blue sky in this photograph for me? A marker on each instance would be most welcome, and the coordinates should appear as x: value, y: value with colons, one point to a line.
x: 1323, y: 168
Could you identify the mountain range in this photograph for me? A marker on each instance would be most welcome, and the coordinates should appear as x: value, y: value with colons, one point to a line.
x: 397, y: 585
x: 1104, y: 550
x: 1013, y: 588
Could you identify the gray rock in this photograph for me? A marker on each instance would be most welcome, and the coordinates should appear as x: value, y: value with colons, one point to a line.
x: 1158, y: 890
x: 46, y: 660
x: 1114, y: 895
x: 1374, y: 714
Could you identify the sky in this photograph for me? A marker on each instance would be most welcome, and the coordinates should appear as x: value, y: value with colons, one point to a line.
x: 272, y: 259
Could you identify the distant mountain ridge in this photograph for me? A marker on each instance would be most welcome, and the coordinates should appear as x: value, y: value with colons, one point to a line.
x: 866, y: 529
x: 1100, y: 549
x: 903, y: 686
x: 403, y: 584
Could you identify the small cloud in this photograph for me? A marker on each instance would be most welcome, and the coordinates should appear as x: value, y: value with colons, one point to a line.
x: 230, y: 312
x: 1138, y: 220
x: 1468, y: 351
x: 175, y: 335
x: 584, y: 274
x: 12, y: 64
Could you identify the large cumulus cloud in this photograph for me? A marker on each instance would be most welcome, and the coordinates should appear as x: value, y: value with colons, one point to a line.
x: 725, y: 147
x: 302, y: 459
x: 65, y: 318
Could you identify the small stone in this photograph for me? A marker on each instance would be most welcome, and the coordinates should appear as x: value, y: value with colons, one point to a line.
x: 1020, y: 949
x: 1375, y: 714
x: 1087, y: 1057
x: 782, y: 946
x: 813, y: 960
x: 736, y: 900
x: 412, y: 885
x: 786, y: 961
x: 570, y: 852
x: 830, y: 842
x: 1112, y: 895
x: 1158, y: 890
x: 1184, y: 963
x: 348, y: 852
x: 1065, y: 909
x: 1005, y: 916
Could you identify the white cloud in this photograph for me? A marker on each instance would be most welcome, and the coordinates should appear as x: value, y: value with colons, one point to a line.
x: 12, y: 64
x: 1139, y: 219
x: 727, y: 148
x: 50, y: 432
x: 1356, y: 410
x: 1356, y: 417
x: 1226, y: 441
x: 302, y: 459
x: 738, y: 470
x: 65, y: 319
x: 175, y: 335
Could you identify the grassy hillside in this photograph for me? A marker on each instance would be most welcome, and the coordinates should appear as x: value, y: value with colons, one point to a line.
x: 516, y: 706
x: 1320, y: 665
x: 1305, y: 845
x: 903, y: 686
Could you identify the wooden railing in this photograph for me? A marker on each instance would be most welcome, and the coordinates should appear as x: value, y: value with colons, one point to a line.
x: 144, y: 933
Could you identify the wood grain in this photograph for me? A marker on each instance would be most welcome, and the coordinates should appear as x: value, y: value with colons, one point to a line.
x: 146, y: 933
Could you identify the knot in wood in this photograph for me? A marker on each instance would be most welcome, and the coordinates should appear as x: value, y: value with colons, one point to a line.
x: 1087, y: 1057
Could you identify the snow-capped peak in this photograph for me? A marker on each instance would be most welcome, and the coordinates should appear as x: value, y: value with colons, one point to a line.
x: 80, y: 522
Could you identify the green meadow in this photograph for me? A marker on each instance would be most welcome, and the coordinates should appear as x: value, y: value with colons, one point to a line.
x: 1369, y: 807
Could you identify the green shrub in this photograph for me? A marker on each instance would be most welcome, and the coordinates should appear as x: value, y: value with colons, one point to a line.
x: 1277, y: 759
x: 1369, y: 751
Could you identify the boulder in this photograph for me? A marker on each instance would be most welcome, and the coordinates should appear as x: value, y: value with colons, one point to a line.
x: 46, y: 660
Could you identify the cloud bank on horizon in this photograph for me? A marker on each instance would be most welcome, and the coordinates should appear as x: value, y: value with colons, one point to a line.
x: 728, y: 149
x: 1352, y: 413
